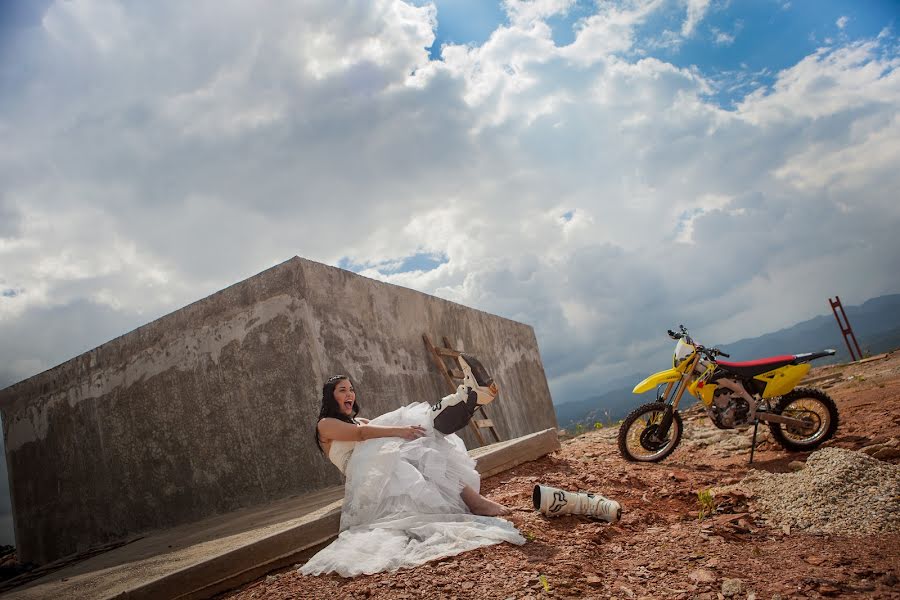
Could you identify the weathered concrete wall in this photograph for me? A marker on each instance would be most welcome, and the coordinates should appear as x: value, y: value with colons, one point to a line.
x: 212, y: 407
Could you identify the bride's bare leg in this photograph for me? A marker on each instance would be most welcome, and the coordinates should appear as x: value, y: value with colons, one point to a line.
x: 480, y: 505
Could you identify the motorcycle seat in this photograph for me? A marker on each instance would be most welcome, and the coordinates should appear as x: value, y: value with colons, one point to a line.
x: 808, y: 356
x: 752, y: 368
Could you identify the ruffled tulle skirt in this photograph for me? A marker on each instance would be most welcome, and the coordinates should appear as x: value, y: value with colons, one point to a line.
x: 402, y: 504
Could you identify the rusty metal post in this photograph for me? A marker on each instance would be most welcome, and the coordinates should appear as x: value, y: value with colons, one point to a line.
x: 845, y: 328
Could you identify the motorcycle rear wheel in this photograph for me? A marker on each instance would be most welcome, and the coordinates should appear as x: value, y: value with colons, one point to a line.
x: 811, y: 405
x: 638, y: 438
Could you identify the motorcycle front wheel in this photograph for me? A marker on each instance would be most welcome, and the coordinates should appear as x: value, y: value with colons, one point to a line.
x: 640, y: 439
x: 816, y: 409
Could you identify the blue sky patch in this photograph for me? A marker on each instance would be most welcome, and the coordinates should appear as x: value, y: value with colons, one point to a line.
x: 465, y: 22
x: 421, y: 261
x: 563, y: 26
x: 745, y: 44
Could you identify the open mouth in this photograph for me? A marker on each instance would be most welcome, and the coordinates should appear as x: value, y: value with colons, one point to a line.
x: 348, y: 406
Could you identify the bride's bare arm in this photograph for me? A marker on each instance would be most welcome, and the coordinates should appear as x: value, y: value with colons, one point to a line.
x: 341, y: 431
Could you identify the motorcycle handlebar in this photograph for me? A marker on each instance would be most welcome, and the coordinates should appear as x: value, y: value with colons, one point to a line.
x: 678, y: 336
x: 713, y: 352
x: 710, y: 352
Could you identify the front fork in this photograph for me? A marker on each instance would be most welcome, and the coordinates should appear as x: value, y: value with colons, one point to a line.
x: 672, y: 402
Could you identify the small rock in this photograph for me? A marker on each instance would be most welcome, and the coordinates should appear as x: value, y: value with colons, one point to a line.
x: 732, y: 587
x: 796, y: 465
x: 702, y: 576
x: 870, y: 450
x: 594, y: 581
x: 887, y: 453
x: 271, y: 578
x: 829, y: 589
x: 467, y: 585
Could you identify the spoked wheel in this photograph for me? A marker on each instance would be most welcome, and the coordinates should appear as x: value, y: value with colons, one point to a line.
x: 818, y: 413
x: 640, y: 437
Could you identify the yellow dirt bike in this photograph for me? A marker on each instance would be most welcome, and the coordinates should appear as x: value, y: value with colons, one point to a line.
x: 735, y: 394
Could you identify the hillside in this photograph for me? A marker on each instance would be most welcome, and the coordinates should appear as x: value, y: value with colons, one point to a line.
x: 876, y: 324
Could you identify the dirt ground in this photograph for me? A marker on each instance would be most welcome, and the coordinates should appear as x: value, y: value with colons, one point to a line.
x: 659, y: 549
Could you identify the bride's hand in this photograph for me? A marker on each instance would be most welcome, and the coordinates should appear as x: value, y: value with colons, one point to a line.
x: 412, y: 432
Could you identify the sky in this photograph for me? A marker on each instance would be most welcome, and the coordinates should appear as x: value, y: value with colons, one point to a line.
x: 599, y: 170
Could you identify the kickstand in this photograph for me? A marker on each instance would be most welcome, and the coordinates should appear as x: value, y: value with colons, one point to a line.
x: 753, y: 445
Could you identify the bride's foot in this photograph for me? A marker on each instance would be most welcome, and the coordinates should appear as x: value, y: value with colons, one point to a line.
x: 489, y: 508
x: 479, y: 505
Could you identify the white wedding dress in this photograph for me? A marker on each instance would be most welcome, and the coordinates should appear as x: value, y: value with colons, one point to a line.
x: 402, y: 504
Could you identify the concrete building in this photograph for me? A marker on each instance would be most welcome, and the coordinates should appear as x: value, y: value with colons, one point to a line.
x: 212, y: 407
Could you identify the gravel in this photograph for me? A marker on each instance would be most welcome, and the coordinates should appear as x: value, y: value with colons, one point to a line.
x: 839, y: 492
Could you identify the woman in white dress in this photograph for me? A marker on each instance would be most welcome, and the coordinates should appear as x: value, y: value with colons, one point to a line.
x: 411, y: 492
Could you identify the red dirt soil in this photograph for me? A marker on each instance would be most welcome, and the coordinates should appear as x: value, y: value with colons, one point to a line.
x: 659, y: 549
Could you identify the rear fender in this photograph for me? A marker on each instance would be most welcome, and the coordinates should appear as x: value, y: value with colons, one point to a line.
x: 657, y: 379
x: 782, y: 380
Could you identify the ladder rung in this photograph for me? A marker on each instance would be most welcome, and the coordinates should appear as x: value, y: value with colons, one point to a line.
x: 483, y: 423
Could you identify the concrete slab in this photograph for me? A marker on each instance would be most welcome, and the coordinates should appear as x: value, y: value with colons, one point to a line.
x: 177, y: 562
x: 203, y: 559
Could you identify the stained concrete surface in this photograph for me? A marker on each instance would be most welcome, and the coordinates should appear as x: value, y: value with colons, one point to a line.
x: 211, y: 408
x: 163, y: 564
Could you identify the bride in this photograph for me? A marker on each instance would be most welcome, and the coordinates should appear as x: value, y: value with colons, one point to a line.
x: 411, y: 491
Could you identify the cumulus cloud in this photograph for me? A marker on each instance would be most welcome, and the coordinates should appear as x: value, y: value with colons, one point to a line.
x: 591, y: 190
x: 722, y: 38
x: 524, y: 12
x: 696, y: 10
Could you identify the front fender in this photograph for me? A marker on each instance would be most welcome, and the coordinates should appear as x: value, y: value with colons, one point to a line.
x: 657, y: 379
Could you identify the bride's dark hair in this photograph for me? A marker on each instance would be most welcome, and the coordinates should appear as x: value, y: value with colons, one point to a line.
x: 329, y: 407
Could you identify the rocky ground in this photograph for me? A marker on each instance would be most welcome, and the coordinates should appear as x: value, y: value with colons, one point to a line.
x: 780, y: 528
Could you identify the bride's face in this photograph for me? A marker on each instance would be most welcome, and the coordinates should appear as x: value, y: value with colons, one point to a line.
x: 345, y: 396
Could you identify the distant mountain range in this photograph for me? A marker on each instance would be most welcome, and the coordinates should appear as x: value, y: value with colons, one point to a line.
x: 876, y: 324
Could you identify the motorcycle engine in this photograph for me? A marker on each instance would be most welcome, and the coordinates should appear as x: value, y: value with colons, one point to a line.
x: 728, y: 410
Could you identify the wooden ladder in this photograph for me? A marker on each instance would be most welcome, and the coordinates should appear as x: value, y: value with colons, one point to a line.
x: 454, y: 376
